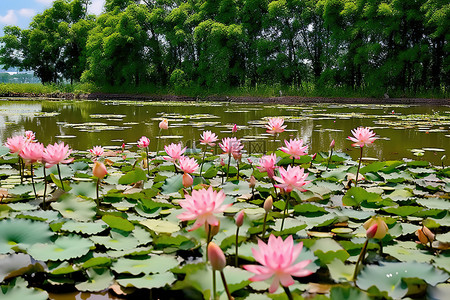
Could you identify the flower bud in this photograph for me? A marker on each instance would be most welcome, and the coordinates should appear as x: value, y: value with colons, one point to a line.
x: 268, y: 204
x: 252, y: 182
x: 214, y: 229
x: 240, y: 218
x: 382, y: 227
x: 99, y: 170
x: 164, y: 124
x: 237, y: 155
x: 222, y: 163
x: 370, y: 233
x: 235, y: 129
x: 187, y: 180
x: 425, y: 235
x: 332, y: 144
x: 314, y: 156
x: 216, y: 257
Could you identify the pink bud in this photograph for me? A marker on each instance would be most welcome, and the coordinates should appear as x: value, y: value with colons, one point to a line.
x: 235, y: 128
x: 332, y: 144
x: 222, y: 163
x: 99, y: 170
x: 216, y: 257
x: 240, y: 218
x: 370, y: 233
x: 314, y: 156
x: 268, y: 204
x: 237, y: 156
x: 187, y: 180
x: 250, y: 161
x: 164, y: 124
x: 252, y: 182
x: 123, y: 146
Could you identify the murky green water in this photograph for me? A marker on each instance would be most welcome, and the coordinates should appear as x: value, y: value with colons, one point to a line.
x: 84, y: 124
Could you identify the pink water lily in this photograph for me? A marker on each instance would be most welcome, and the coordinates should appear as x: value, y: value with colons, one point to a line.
x: 15, y: 143
x: 187, y: 165
x: 143, y: 142
x: 275, y: 125
x: 294, y: 148
x: 267, y: 163
x: 164, y: 124
x: 208, y: 138
x: 231, y: 145
x: 30, y: 136
x: 203, y: 206
x: 174, y: 151
x: 32, y: 152
x: 55, y: 154
x: 362, y: 136
x: 278, y: 260
x: 97, y: 151
x: 291, y: 178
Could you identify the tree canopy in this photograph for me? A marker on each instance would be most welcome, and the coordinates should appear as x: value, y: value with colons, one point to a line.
x: 383, y: 45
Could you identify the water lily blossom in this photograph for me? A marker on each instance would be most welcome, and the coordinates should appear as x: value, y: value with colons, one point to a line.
x: 15, y: 143
x: 208, y: 138
x: 164, y: 124
x: 231, y: 145
x: 30, y: 136
x: 294, y: 148
x: 99, y: 170
x: 55, y: 154
x: 32, y: 152
x: 97, y: 151
x: 267, y: 163
x: 291, y: 178
x: 187, y: 165
x: 203, y: 206
x: 187, y: 180
x: 362, y: 136
x: 277, y: 259
x: 275, y: 125
x: 174, y: 151
x: 216, y: 257
x: 143, y: 142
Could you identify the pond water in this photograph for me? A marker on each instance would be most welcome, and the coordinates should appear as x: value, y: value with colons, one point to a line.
x: 84, y: 124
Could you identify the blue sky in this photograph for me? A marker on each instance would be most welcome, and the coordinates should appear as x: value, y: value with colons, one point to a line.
x: 21, y: 12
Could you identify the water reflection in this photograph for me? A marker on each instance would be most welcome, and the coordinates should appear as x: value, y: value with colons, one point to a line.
x: 112, y: 122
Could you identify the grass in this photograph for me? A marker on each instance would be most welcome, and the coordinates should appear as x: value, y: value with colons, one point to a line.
x: 262, y: 90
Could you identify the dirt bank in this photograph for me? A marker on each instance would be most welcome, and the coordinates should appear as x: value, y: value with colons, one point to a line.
x: 240, y: 99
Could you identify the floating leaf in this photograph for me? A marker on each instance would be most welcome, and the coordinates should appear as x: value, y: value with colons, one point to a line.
x: 172, y: 184
x: 97, y: 261
x: 21, y: 234
x: 148, y: 281
x: 18, y: 264
x: 76, y: 208
x: 99, y: 279
x: 84, y: 227
x: 339, y: 271
x: 133, y: 176
x: 116, y: 241
x: 347, y: 292
x: 65, y: 247
x: 22, y: 292
x: 356, y: 195
x: 118, y: 222
x: 86, y: 189
x: 389, y: 276
x: 152, y: 264
x: 161, y: 226
x: 403, y: 211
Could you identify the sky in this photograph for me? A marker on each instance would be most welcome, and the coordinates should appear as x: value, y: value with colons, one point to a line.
x: 21, y: 12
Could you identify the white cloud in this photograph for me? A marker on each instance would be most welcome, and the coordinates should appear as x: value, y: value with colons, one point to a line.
x: 27, y: 12
x: 96, y: 7
x: 10, y: 18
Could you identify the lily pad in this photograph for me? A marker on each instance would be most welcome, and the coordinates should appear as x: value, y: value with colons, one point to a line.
x: 65, y: 247
x: 118, y: 223
x: 76, y: 208
x: 21, y: 234
x: 161, y: 226
x: 148, y: 281
x: 152, y: 264
x: 99, y: 279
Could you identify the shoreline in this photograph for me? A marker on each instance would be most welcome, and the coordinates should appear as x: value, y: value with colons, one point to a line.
x: 237, y: 99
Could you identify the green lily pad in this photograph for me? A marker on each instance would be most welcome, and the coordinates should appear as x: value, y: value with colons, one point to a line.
x: 20, y: 292
x: 84, y: 227
x: 356, y: 195
x: 339, y: 271
x: 118, y: 222
x: 117, y: 241
x: 172, y: 184
x: 152, y: 264
x: 99, y: 279
x: 133, y: 176
x: 86, y: 189
x: 161, y: 226
x: 65, y: 247
x: 403, y: 211
x: 148, y: 281
x: 403, y: 253
x: 389, y: 276
x: 76, y: 208
x: 21, y: 234
x: 97, y: 261
x: 347, y: 292
x: 18, y: 264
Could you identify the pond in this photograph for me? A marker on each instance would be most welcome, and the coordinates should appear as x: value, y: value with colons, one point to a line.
x: 404, y: 131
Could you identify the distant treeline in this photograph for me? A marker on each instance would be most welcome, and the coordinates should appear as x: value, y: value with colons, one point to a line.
x: 18, y: 78
x: 382, y: 45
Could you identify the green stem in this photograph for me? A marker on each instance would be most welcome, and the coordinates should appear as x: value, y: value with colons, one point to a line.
x: 45, y: 187
x: 32, y: 181
x: 288, y: 292
x: 237, y: 247
x: 148, y: 164
x: 264, y: 226
x: 208, y: 239
x: 21, y: 169
x: 228, y: 169
x: 237, y: 163
x: 214, y: 284
x: 359, y: 166
x: 98, y: 184
x: 225, y: 285
x: 285, y: 211
x: 293, y: 161
x: 203, y: 161
x: 360, y: 258
x: 157, y: 143
x: 60, y: 179
x: 329, y: 158
x: 274, y: 145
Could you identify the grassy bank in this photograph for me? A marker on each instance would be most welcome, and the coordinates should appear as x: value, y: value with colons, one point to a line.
x: 306, y: 90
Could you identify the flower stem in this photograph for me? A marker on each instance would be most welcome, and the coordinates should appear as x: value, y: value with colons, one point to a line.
x: 214, y: 285
x: 360, y: 258
x: 98, y: 184
x: 157, y: 143
x: 274, y: 145
x: 229, y: 162
x: 148, y: 165
x: 32, y: 181
x: 288, y: 292
x: 203, y: 161
x: 264, y: 225
x: 45, y: 187
x: 225, y: 285
x: 329, y: 158
x: 208, y: 239
x: 21, y: 169
x: 359, y: 166
x: 237, y: 247
x: 293, y: 161
x: 285, y: 211
x: 60, y: 178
